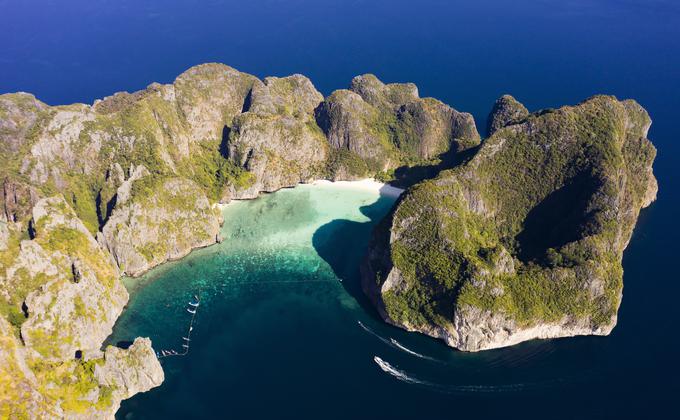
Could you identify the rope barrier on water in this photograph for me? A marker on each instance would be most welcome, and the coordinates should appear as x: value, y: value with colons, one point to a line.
x: 192, y: 309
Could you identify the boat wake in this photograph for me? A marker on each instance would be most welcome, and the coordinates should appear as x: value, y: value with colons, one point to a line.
x: 460, y: 389
x: 449, y: 388
x: 399, y: 374
x: 373, y: 333
x: 396, y: 345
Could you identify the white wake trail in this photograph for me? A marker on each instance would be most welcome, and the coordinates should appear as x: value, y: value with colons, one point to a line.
x: 409, y: 351
x: 447, y: 389
x: 395, y: 344
x: 399, y: 374
x: 373, y: 333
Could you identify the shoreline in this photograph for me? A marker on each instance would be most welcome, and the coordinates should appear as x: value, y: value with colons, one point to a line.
x: 366, y: 184
x: 369, y: 184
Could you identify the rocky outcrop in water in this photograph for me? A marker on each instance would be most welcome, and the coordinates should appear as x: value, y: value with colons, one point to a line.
x: 526, y: 239
x: 77, y: 389
x: 127, y: 372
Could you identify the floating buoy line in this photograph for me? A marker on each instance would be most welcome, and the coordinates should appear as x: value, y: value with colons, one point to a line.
x: 186, y: 340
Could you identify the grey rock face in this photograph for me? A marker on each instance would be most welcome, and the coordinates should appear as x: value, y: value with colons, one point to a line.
x: 16, y: 200
x: 350, y: 123
x: 382, y: 95
x: 210, y: 96
x: 277, y: 139
x: 524, y: 240
x: 73, y: 296
x: 4, y: 236
x: 74, y: 389
x: 130, y: 371
x: 388, y: 125
x: 164, y: 221
x: 77, y: 296
x: 20, y: 112
x: 506, y: 110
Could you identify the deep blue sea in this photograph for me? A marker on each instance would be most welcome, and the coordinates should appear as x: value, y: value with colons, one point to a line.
x: 277, y: 335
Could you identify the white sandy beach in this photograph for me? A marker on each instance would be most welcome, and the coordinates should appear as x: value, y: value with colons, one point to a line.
x: 369, y: 184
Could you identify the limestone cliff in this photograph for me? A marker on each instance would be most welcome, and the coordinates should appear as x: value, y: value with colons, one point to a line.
x: 506, y: 110
x: 523, y: 240
x: 89, y: 152
x: 75, y: 389
x: 526, y: 239
x: 375, y: 127
x: 76, y: 296
x: 90, y: 192
x: 221, y: 134
x: 159, y: 220
x: 276, y: 139
x: 60, y: 295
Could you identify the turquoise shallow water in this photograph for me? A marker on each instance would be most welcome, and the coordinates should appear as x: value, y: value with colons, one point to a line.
x: 283, y: 331
x: 287, y: 350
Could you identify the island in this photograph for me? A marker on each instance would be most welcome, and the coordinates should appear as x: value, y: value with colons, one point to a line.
x: 495, y: 241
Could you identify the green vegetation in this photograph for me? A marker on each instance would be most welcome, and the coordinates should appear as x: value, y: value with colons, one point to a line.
x: 71, y: 384
x: 214, y: 172
x: 526, y: 228
x: 385, y: 176
x: 390, y: 127
x: 349, y: 162
x: 73, y: 242
x: 19, y: 285
x: 83, y: 197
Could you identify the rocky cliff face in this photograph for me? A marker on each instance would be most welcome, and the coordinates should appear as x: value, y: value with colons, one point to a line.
x: 128, y: 372
x: 158, y: 220
x: 523, y: 240
x: 74, y: 389
x: 526, y: 239
x: 276, y: 139
x: 88, y: 153
x: 377, y: 127
x: 142, y: 172
x: 60, y: 295
x: 506, y: 111
x: 229, y: 133
x: 19, y: 113
x: 77, y: 296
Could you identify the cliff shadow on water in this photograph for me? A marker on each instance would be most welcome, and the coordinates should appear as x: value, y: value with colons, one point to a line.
x: 343, y: 244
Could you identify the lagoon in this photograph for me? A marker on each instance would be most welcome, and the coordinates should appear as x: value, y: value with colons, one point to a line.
x: 284, y: 331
